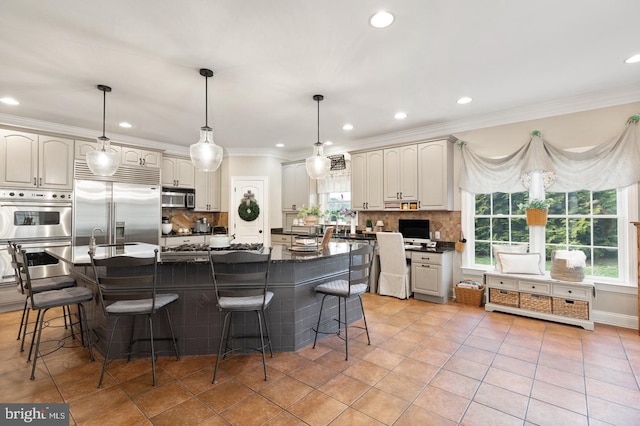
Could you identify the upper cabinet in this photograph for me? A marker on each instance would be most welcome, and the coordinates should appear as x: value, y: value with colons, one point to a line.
x: 30, y: 160
x: 140, y: 157
x: 367, y: 181
x: 178, y: 172
x: 401, y: 173
x: 82, y: 147
x: 435, y: 175
x: 295, y: 186
x: 207, y: 188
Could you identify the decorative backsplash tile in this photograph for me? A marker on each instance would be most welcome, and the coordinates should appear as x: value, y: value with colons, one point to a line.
x: 448, y: 224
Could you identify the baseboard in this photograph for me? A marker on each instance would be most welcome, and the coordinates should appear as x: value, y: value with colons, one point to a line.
x: 618, y: 320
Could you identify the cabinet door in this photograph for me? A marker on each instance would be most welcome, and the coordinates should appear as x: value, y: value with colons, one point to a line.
x: 82, y: 147
x: 358, y: 181
x: 426, y: 279
x: 375, y: 165
x: 300, y: 185
x: 435, y: 175
x: 288, y: 173
x: 409, y: 172
x: 168, y: 171
x: 140, y: 157
x: 392, y: 169
x: 207, y: 188
x: 55, y: 158
x: 185, y: 173
x: 19, y: 158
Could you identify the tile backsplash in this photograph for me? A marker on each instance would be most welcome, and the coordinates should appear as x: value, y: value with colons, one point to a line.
x: 447, y: 223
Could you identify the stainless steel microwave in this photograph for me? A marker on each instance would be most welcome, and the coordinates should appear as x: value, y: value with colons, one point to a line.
x: 179, y: 199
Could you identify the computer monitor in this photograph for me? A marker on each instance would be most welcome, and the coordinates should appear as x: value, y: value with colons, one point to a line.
x: 414, y: 231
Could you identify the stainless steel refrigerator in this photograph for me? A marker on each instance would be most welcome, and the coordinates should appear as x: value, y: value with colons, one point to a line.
x: 125, y: 212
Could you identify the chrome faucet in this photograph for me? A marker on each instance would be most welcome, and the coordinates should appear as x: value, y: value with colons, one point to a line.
x: 92, y: 240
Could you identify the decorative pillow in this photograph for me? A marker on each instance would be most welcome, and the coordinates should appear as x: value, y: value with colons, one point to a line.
x: 506, y: 248
x: 520, y: 263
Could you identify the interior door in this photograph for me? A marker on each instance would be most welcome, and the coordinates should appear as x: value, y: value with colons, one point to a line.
x: 243, y: 189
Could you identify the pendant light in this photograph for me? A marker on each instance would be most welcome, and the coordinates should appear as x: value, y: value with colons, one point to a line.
x: 318, y: 165
x: 206, y: 156
x: 103, y: 162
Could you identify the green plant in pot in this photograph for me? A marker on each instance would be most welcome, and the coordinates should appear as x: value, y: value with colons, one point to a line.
x: 536, y: 210
x: 309, y: 214
x: 369, y: 225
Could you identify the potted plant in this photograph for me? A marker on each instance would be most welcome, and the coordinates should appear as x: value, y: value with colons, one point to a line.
x: 309, y: 214
x: 368, y: 225
x: 536, y: 210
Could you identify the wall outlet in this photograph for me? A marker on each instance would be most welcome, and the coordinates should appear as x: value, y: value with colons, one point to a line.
x: 437, y: 234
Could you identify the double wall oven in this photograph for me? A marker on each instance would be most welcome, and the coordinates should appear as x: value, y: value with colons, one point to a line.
x: 35, y: 219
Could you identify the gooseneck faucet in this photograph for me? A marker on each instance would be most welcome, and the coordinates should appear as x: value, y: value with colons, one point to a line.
x: 92, y: 240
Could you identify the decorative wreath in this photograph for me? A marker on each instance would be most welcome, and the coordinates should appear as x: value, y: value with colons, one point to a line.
x: 248, y: 210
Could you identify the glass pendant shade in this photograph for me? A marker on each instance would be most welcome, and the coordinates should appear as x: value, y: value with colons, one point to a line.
x: 318, y: 165
x: 206, y: 156
x: 103, y: 162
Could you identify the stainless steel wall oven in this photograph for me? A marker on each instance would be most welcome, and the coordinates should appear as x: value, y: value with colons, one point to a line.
x: 35, y: 219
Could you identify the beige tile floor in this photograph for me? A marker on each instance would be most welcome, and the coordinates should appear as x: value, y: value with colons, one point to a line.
x: 428, y: 364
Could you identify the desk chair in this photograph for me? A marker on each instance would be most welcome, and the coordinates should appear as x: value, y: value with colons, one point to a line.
x: 395, y: 274
x: 240, y: 281
x: 127, y: 287
x: 357, y: 283
x: 44, y: 300
x: 38, y: 285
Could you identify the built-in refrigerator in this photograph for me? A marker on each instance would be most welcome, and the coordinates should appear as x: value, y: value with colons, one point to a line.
x: 124, y: 212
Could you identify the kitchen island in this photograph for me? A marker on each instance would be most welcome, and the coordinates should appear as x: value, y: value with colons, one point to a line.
x: 195, y: 317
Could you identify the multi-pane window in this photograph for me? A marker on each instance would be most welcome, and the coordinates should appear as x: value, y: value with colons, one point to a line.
x: 583, y: 220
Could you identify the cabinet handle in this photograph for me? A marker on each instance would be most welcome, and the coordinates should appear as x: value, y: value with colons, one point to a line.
x: 533, y: 286
x: 419, y: 204
x: 425, y: 266
x: 367, y: 205
x: 425, y: 258
x: 34, y: 182
x: 401, y: 195
x: 40, y: 181
x: 293, y: 207
x: 397, y: 195
x: 569, y: 291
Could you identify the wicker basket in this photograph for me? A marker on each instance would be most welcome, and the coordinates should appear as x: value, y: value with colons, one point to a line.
x: 571, y: 308
x: 535, y: 302
x: 504, y: 297
x: 559, y: 270
x: 536, y: 217
x: 470, y: 296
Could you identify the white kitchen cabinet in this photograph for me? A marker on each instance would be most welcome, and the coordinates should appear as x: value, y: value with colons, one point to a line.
x: 30, y: 160
x: 295, y: 186
x: 280, y: 239
x: 401, y: 173
x: 82, y: 147
x: 207, y: 187
x: 559, y: 301
x: 140, y: 157
x: 178, y: 172
x: 431, y: 276
x: 367, y: 180
x: 435, y: 175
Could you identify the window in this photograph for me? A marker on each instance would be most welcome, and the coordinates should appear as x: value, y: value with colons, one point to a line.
x: 337, y: 201
x: 591, y: 221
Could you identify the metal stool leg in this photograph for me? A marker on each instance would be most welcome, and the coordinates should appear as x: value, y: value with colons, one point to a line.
x: 318, y: 325
x: 24, y: 329
x: 264, y: 360
x: 153, y: 352
x: 173, y: 336
x: 266, y: 329
x: 22, y: 324
x: 33, y: 336
x: 106, y: 355
x: 346, y: 328
x: 364, y: 318
x: 39, y: 329
x: 222, y: 341
x: 83, y: 312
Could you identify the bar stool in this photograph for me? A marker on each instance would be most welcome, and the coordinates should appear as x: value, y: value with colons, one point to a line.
x: 127, y: 287
x: 357, y: 283
x: 244, y: 277
x: 45, y: 300
x: 38, y: 285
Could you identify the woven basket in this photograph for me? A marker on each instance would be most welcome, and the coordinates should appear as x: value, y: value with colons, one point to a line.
x: 559, y: 270
x: 504, y: 297
x: 470, y: 296
x: 535, y: 302
x: 571, y: 308
x: 536, y: 217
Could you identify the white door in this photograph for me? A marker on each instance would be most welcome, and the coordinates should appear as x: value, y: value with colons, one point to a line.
x: 252, y: 188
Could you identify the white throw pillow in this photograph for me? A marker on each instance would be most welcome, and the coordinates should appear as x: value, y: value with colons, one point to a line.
x: 520, y: 263
x: 506, y: 248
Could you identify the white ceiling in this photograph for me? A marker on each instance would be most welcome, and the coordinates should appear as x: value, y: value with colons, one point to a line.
x: 514, y: 58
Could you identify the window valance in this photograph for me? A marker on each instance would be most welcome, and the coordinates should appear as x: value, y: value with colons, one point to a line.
x: 613, y: 164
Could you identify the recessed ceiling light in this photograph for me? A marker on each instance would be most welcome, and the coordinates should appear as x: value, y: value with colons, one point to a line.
x: 400, y: 115
x: 464, y: 100
x: 328, y: 143
x: 347, y: 127
x: 633, y: 59
x: 9, y: 101
x: 381, y: 19
x: 125, y: 125
x: 280, y: 145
